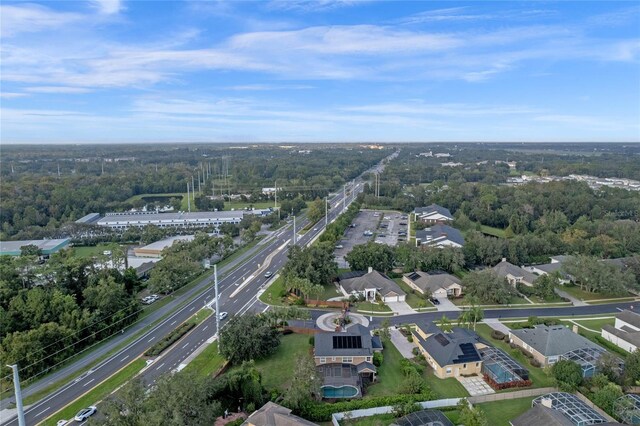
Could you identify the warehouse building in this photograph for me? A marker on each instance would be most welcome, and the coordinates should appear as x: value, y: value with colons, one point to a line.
x: 47, y: 247
x: 170, y: 220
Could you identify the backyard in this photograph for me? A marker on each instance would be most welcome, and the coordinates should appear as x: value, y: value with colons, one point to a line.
x: 389, y: 373
x: 277, y: 370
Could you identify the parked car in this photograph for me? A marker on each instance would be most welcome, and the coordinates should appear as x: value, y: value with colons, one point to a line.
x: 353, y: 225
x: 339, y: 246
x: 403, y: 223
x: 223, y: 315
x: 381, y: 235
x: 268, y: 274
x: 85, y: 413
x: 62, y: 422
x: 434, y: 301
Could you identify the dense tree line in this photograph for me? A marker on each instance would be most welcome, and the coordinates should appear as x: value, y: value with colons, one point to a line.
x: 50, y: 312
x: 35, y: 197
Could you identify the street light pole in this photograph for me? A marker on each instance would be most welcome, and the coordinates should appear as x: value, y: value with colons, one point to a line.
x: 18, y: 392
x: 326, y: 211
x: 294, y: 230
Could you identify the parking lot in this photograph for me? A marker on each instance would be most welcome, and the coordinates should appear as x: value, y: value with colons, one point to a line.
x: 367, y: 221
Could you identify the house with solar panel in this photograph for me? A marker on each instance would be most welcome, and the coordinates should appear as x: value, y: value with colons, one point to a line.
x: 345, y: 361
x: 451, y: 354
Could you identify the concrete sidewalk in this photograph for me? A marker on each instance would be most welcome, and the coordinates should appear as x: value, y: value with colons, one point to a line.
x: 495, y: 324
x: 401, y: 308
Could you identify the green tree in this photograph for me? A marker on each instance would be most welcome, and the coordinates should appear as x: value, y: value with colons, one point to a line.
x: 445, y: 324
x: 606, y: 396
x: 471, y: 316
x: 632, y: 369
x: 568, y: 375
x: 487, y: 287
x: 381, y: 257
x: 126, y: 407
x: 30, y: 250
x: 305, y: 385
x: 544, y: 286
x: 247, y: 337
x: 316, y: 210
x: 471, y: 416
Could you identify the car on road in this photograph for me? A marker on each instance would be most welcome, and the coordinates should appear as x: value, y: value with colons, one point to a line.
x: 434, y: 301
x: 62, y: 422
x: 268, y: 274
x: 223, y: 315
x: 339, y: 246
x: 85, y: 413
x: 315, y: 229
x: 353, y: 225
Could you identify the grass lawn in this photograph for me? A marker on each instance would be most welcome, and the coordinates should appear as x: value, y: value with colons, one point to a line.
x: 364, y: 307
x: 500, y: 412
x: 201, y: 315
x: 377, y: 420
x: 490, y: 230
x: 277, y: 370
x: 414, y: 299
x: 271, y: 295
x: 445, y: 388
x: 537, y: 375
x: 88, y: 251
x: 575, y: 291
x: 99, y: 393
x: 389, y: 373
x: 516, y: 300
x: 207, y: 362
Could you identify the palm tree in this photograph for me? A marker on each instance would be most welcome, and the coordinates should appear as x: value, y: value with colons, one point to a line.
x: 445, y: 324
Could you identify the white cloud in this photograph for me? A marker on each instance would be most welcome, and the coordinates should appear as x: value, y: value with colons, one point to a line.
x: 57, y: 89
x: 15, y: 19
x: 267, y: 87
x: 12, y: 95
x: 108, y: 7
x: 313, y: 5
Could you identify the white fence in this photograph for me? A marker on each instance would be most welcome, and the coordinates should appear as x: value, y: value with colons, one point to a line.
x: 366, y: 412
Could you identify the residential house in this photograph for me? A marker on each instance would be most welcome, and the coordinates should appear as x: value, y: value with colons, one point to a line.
x: 439, y: 236
x: 433, y: 214
x: 549, y: 344
x: 272, y: 414
x: 370, y: 285
x: 449, y: 354
x: 345, y: 361
x: 514, y: 274
x: 555, y: 266
x: 625, y: 333
x: 434, y: 284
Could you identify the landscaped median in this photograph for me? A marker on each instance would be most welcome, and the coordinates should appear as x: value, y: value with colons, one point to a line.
x: 98, y: 393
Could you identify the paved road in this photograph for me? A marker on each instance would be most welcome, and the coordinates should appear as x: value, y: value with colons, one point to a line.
x: 230, y: 301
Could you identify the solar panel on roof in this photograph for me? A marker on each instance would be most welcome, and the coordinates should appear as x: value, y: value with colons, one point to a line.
x: 442, y: 340
x: 347, y: 342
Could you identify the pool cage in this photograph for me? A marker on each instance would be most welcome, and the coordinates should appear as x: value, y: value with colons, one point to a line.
x: 579, y: 413
x: 424, y: 417
x: 627, y: 409
x: 587, y: 358
x: 501, y: 371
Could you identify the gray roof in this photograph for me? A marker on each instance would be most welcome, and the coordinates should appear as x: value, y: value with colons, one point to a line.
x: 433, y: 208
x: 505, y: 268
x: 625, y: 334
x: 47, y: 246
x: 272, y: 414
x: 552, y: 340
x: 541, y: 416
x: 562, y: 258
x: 549, y: 268
x: 629, y: 317
x: 365, y: 365
x: 325, y: 344
x: 180, y: 216
x: 457, y: 347
x: 89, y: 218
x: 358, y: 281
x: 424, y: 418
x: 434, y: 233
x: 430, y: 282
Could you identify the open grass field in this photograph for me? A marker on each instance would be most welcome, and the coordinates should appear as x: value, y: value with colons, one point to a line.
x: 490, y: 230
x: 99, y: 393
x: 87, y: 251
x: 277, y: 370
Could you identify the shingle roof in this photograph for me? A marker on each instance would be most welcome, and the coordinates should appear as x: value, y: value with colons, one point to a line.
x: 325, y: 345
x: 562, y: 258
x: 433, y: 208
x: 430, y: 282
x: 630, y: 336
x: 549, y: 268
x: 457, y: 347
x: 505, y: 268
x: 629, y: 317
x: 541, y: 416
x: 359, y: 281
x: 272, y: 414
x: 437, y: 233
x: 552, y: 340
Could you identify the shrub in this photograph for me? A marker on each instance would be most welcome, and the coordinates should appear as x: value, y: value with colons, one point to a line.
x: 498, y: 335
x: 535, y: 363
x: 513, y: 345
x: 312, y: 341
x: 415, y: 351
x: 378, y: 358
x: 170, y: 339
x: 410, y: 338
x: 238, y: 422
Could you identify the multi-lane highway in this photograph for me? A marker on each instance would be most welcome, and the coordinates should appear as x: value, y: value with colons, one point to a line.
x: 237, y: 295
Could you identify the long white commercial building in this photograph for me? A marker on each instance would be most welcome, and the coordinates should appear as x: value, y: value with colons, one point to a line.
x: 170, y: 220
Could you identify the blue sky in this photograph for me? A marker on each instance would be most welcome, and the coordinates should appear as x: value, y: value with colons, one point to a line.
x: 208, y: 71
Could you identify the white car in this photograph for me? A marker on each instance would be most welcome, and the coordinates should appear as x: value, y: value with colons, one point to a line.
x: 268, y: 274
x: 61, y: 422
x: 223, y: 315
x: 85, y: 413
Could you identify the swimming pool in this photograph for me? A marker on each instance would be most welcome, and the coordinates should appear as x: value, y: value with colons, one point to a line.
x: 339, y: 392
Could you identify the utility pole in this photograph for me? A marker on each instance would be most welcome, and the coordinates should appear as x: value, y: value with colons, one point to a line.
x: 199, y: 187
x: 188, y: 198
x: 193, y: 189
x: 294, y: 230
x: 275, y: 206
x: 18, y: 392
x: 215, y: 280
x: 344, y: 197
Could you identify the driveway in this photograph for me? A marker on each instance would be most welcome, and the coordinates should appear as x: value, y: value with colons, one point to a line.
x: 446, y: 305
x: 400, y: 308
x: 401, y: 343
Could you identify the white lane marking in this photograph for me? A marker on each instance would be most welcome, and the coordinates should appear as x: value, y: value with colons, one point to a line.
x: 185, y: 346
x: 151, y: 339
x: 192, y: 308
x: 160, y: 366
x: 205, y: 327
x: 173, y: 322
x: 43, y: 411
x: 124, y: 358
x: 88, y: 382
